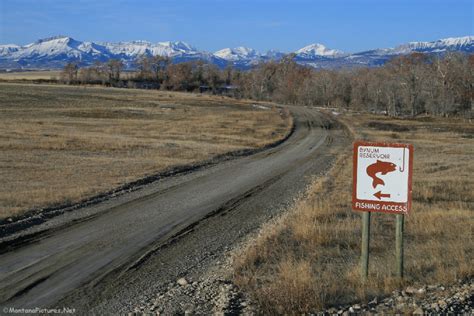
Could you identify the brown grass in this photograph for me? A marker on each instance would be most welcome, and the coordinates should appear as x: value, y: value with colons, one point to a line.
x: 45, y: 75
x: 31, y: 75
x: 63, y: 143
x: 309, y: 259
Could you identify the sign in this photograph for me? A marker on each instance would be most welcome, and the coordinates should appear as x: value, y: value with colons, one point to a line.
x: 382, y: 177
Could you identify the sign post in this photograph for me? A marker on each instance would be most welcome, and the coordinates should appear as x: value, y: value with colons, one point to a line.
x: 382, y: 176
x: 399, y: 245
x: 364, y: 258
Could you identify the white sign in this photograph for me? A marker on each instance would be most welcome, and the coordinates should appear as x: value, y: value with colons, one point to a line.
x: 382, y: 177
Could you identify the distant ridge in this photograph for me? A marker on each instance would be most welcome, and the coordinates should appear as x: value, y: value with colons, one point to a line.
x: 55, y: 52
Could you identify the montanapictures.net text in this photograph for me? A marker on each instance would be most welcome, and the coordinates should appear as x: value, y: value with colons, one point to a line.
x: 38, y: 310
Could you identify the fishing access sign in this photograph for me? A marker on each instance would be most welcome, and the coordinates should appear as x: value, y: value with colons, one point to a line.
x: 382, y: 177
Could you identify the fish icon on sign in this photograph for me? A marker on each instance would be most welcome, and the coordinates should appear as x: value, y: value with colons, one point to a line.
x: 382, y: 167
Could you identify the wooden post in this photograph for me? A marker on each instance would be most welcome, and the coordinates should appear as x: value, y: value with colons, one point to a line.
x: 364, y: 258
x: 399, y: 245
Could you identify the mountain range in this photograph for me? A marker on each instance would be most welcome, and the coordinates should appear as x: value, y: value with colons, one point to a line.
x: 55, y: 52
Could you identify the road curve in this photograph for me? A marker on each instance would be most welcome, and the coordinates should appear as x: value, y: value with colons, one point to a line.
x: 66, y: 264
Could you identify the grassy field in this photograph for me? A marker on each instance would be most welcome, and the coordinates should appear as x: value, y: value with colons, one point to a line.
x: 30, y: 75
x: 309, y: 258
x: 45, y: 75
x: 62, y: 143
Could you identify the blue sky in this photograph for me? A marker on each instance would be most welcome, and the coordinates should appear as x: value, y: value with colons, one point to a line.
x: 261, y: 24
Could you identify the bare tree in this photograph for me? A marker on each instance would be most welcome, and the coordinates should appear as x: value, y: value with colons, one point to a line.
x: 144, y: 67
x: 158, y: 65
x: 69, y: 73
x: 114, y: 67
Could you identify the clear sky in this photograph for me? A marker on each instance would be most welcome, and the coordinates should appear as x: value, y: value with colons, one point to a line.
x: 261, y: 24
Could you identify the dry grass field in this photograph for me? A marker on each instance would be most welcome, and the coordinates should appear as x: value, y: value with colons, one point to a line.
x: 31, y: 75
x: 62, y: 144
x: 44, y: 75
x: 309, y: 259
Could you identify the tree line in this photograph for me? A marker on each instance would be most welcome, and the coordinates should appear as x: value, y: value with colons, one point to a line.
x: 407, y: 85
x: 155, y: 72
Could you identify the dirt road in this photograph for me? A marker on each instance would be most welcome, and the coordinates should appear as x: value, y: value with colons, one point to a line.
x: 104, y: 258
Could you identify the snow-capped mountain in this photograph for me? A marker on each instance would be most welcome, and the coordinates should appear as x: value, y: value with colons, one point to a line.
x: 378, y: 57
x: 317, y: 50
x: 465, y: 43
x: 240, y: 57
x: 58, y: 47
x: 244, y: 57
x: 137, y: 48
x: 238, y: 53
x: 8, y: 49
x: 55, y: 52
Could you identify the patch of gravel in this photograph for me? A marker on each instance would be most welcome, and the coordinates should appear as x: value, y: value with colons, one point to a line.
x: 436, y: 299
x: 210, y: 293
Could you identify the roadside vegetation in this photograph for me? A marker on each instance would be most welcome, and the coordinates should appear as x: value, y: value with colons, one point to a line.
x: 308, y: 259
x: 61, y: 144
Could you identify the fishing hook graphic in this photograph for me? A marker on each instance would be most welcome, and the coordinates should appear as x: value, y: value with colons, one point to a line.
x: 403, y: 164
